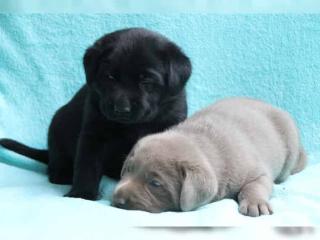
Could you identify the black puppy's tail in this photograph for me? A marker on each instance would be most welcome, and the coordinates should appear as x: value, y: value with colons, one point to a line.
x: 37, y: 154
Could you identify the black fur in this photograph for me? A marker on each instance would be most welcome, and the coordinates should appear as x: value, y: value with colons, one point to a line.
x: 135, y: 86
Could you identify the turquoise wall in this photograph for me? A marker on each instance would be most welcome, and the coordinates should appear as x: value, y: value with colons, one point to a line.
x: 164, y: 6
x: 275, y: 58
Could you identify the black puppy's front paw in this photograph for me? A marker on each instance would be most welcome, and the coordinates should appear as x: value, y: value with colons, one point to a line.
x: 82, y: 194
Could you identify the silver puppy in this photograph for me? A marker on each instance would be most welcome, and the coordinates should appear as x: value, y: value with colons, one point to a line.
x: 236, y: 148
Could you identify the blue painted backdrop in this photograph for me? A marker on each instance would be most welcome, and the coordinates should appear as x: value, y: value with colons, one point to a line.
x: 164, y: 6
x: 275, y: 58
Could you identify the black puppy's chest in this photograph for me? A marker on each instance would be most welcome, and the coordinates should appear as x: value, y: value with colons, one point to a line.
x: 121, y: 142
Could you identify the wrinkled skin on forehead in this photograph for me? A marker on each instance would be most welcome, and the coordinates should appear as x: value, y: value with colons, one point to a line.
x: 150, y: 182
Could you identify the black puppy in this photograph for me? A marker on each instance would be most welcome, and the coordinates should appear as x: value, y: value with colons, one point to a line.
x: 135, y: 86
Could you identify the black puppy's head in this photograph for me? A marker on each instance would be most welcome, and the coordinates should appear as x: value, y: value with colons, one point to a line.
x: 133, y: 72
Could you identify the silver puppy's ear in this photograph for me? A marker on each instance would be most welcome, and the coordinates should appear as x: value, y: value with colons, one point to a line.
x: 126, y: 163
x: 124, y: 168
x: 199, y: 187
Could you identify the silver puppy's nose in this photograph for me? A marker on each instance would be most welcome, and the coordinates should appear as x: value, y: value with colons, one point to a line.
x: 120, y: 202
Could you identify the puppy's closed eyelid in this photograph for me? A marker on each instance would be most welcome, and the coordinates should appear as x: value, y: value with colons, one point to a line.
x: 153, y: 75
x: 147, y: 80
x: 151, y: 175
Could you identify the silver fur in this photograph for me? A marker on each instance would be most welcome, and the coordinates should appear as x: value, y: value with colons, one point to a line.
x: 236, y: 148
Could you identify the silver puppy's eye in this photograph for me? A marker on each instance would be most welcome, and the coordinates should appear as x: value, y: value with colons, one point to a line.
x: 154, y: 183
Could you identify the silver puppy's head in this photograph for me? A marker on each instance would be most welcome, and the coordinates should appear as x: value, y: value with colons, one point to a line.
x: 164, y: 172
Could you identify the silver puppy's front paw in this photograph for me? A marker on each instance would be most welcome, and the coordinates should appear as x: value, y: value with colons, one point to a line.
x: 255, y: 208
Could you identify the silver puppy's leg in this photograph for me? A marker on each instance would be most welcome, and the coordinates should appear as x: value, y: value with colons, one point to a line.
x: 253, y: 197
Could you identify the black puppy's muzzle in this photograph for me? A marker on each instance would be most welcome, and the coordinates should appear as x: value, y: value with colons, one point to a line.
x: 123, y: 110
x: 117, y: 109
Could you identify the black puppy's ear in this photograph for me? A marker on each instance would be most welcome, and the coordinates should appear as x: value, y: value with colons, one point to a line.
x: 179, y: 69
x: 90, y: 63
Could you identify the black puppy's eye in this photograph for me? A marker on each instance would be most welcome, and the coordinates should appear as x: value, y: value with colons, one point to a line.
x: 154, y: 183
x: 110, y: 77
x: 147, y: 85
x: 142, y: 77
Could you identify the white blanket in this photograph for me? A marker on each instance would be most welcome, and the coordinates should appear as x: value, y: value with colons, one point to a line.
x: 28, y: 201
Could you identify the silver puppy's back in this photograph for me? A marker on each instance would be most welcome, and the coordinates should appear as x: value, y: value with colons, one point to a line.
x: 249, y: 130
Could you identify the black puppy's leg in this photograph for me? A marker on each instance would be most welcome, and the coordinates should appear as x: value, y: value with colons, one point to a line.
x: 88, y: 168
x: 60, y: 165
x: 60, y: 170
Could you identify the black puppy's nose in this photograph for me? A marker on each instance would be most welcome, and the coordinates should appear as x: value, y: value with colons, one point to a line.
x: 122, y: 107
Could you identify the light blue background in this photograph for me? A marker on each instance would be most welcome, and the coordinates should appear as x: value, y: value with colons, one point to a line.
x: 163, y: 6
x: 275, y: 58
